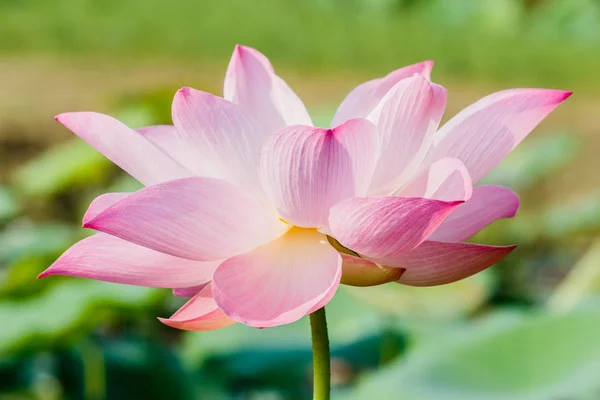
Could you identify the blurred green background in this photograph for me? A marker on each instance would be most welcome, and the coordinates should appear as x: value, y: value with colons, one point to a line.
x: 529, y: 328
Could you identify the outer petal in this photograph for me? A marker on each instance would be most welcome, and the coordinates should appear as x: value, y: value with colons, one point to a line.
x: 485, y: 132
x: 101, y: 203
x: 196, y: 218
x: 439, y: 263
x: 168, y: 140
x: 406, y: 118
x: 446, y: 179
x: 252, y: 83
x: 201, y: 313
x: 306, y: 170
x: 386, y: 226
x: 225, y: 138
x: 107, y: 258
x: 280, y: 282
x: 361, y: 272
x: 487, y: 204
x: 125, y: 147
x: 365, y: 97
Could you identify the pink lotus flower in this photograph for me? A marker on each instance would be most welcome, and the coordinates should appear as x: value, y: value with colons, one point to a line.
x: 259, y: 215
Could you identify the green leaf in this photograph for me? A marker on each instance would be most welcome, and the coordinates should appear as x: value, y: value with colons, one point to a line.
x: 27, y: 248
x: 67, y: 306
x: 70, y: 164
x: 26, y: 238
x: 512, y: 357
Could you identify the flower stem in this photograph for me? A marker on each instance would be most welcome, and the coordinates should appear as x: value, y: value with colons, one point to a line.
x: 321, y: 358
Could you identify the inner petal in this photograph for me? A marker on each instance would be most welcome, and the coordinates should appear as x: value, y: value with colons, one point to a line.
x: 305, y: 170
x: 280, y: 282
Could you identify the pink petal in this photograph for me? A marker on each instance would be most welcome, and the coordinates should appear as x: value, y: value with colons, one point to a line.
x: 125, y: 147
x: 365, y: 97
x: 193, y: 290
x: 196, y: 218
x: 406, y: 119
x: 306, y: 170
x: 101, y: 203
x: 280, y: 282
x: 439, y: 263
x: 361, y: 272
x: 168, y: 140
x: 165, y: 137
x: 485, y: 132
x: 225, y: 138
x: 201, y: 313
x: 386, y: 226
x: 252, y: 83
x: 446, y: 179
x: 107, y: 258
x: 487, y: 204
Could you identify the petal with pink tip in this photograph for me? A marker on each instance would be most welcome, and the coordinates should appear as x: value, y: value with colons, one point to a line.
x: 226, y: 139
x: 362, y: 272
x: 406, y: 119
x: 107, y: 258
x: 101, y: 203
x: 201, y: 313
x: 125, y: 147
x: 252, y: 83
x: 482, y: 134
x: 280, y: 282
x: 439, y: 263
x: 197, y: 218
x: 365, y: 97
x: 386, y: 226
x: 306, y: 170
x: 446, y: 179
x: 488, y: 204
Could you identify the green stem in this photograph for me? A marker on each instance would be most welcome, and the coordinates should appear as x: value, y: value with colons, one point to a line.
x: 321, y: 358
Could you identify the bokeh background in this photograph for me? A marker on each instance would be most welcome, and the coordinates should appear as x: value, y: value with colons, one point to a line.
x: 529, y: 328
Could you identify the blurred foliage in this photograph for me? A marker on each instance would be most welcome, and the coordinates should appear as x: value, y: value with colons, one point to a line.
x: 526, y: 329
x: 582, y: 282
x: 539, y: 156
x: 519, y: 357
x: 466, y: 38
x: 9, y: 206
x: 36, y: 319
x: 67, y: 166
x: 429, y: 305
